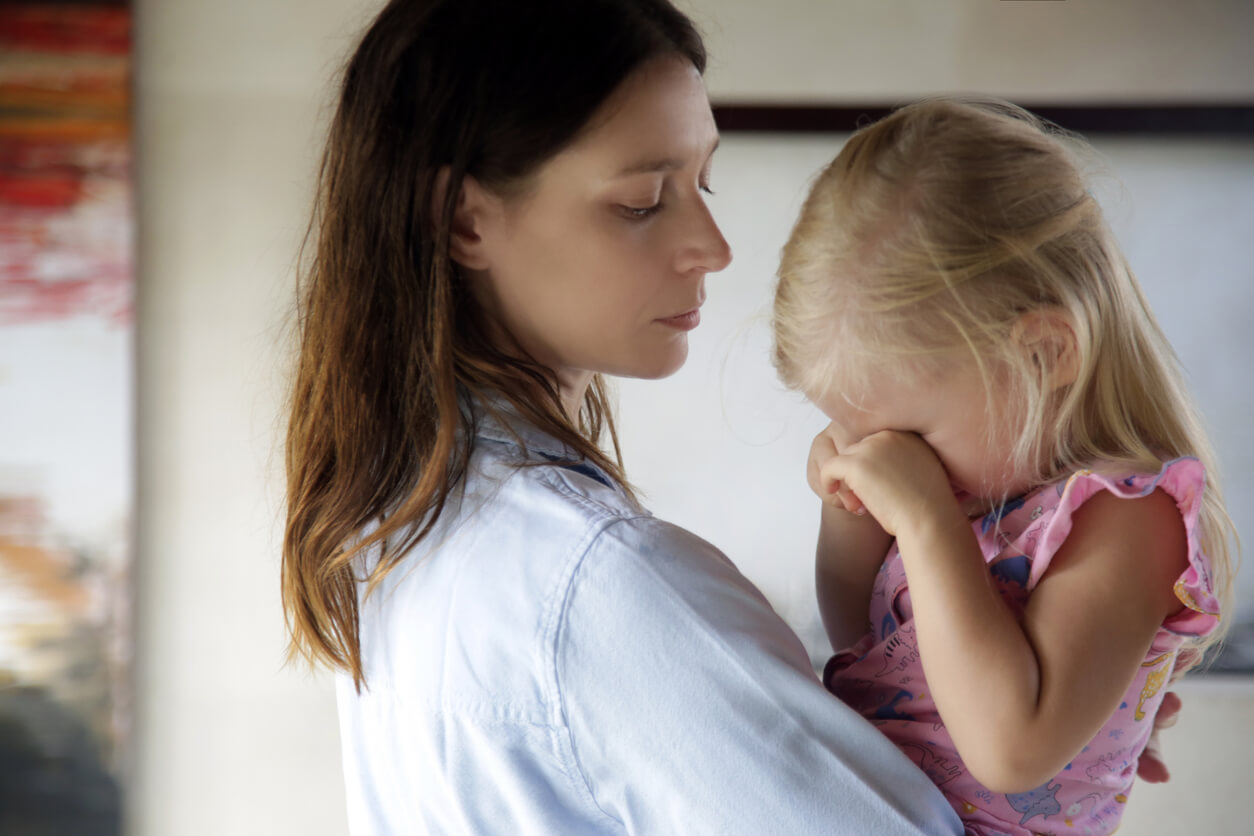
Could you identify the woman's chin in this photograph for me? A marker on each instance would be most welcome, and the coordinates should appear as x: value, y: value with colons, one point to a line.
x: 658, y: 366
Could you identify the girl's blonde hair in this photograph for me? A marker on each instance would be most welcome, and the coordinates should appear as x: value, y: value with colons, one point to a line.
x: 937, y: 229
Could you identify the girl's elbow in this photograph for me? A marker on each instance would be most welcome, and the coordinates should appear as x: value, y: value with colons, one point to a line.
x: 1010, y: 782
x: 1013, y: 768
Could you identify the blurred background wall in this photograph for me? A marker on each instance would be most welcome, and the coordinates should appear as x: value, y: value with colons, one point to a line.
x: 231, y: 98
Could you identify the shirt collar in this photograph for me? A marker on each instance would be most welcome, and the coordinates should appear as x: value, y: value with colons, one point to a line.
x: 514, y: 430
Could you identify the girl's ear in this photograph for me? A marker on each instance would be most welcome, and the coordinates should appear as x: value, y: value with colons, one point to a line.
x: 1048, y: 339
x: 474, y: 203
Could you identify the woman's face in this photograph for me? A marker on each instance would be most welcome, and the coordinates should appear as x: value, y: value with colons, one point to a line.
x: 600, y: 266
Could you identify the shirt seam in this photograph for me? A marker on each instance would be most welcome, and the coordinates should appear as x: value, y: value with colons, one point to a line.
x: 553, y: 619
x: 481, y: 711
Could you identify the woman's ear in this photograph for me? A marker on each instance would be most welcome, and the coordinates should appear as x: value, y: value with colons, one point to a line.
x: 1048, y: 339
x: 474, y: 203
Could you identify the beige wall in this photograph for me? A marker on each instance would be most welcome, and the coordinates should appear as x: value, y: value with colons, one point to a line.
x: 229, y: 93
x: 1076, y: 50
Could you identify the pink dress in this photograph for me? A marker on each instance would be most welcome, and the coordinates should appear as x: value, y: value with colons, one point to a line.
x: 882, y: 677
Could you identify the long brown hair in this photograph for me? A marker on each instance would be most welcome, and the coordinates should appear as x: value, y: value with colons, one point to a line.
x: 390, y: 343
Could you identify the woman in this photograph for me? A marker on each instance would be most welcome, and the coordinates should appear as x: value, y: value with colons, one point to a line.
x: 511, y: 205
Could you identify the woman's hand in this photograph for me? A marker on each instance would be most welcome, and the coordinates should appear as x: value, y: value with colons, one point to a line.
x: 895, y: 476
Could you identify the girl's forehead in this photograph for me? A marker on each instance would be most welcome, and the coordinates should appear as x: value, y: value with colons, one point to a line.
x: 898, y: 389
x: 864, y: 383
x: 855, y: 399
x: 854, y: 404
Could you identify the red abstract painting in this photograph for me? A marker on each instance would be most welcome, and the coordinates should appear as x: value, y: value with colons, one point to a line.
x: 65, y: 187
x: 66, y: 415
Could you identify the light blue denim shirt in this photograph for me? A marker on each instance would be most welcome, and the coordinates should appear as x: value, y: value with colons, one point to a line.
x: 553, y: 659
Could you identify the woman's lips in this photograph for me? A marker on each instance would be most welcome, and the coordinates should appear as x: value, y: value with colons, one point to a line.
x: 685, y: 321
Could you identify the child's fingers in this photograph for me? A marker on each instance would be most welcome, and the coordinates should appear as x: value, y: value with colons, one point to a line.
x: 829, y: 475
x: 832, y: 472
x: 838, y: 493
x: 850, y: 502
x: 1169, y: 711
x: 1151, y: 767
x: 822, y: 450
x: 823, y: 487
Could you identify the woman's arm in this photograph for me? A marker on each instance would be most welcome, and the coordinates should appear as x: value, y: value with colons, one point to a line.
x: 1021, y: 698
x: 691, y: 707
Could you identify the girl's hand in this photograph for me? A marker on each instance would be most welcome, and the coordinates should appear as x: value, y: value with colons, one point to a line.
x: 893, y: 475
x: 833, y: 493
x: 849, y: 552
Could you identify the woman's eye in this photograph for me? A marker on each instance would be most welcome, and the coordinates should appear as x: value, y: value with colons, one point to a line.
x: 640, y: 212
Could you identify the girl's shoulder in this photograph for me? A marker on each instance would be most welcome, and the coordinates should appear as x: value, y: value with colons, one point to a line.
x: 1039, y: 523
x: 1184, y: 479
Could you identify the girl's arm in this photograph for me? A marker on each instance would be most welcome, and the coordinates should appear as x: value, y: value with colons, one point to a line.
x: 1021, y: 697
x: 850, y: 551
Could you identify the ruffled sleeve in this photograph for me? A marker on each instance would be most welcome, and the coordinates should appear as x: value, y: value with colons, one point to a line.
x: 1184, y: 479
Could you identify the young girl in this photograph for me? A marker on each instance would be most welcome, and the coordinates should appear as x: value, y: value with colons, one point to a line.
x: 1022, y: 537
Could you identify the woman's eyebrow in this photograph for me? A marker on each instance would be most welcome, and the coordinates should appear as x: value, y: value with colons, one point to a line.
x: 651, y: 166
x: 654, y: 165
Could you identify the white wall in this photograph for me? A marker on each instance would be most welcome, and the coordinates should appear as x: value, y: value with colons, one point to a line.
x: 895, y: 50
x: 228, y: 106
x: 228, y: 95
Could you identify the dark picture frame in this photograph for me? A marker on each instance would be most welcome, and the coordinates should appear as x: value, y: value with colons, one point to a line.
x: 1235, y: 119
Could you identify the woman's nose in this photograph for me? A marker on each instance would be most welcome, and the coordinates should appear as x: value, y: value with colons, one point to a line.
x: 706, y: 250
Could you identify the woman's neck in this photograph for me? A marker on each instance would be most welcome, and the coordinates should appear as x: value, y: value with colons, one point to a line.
x: 573, y: 386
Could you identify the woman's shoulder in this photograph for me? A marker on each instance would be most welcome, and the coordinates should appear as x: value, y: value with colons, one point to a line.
x: 542, y: 534
x: 567, y: 492
x: 586, y: 555
x: 662, y: 589
x: 492, y: 568
x: 607, y: 533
